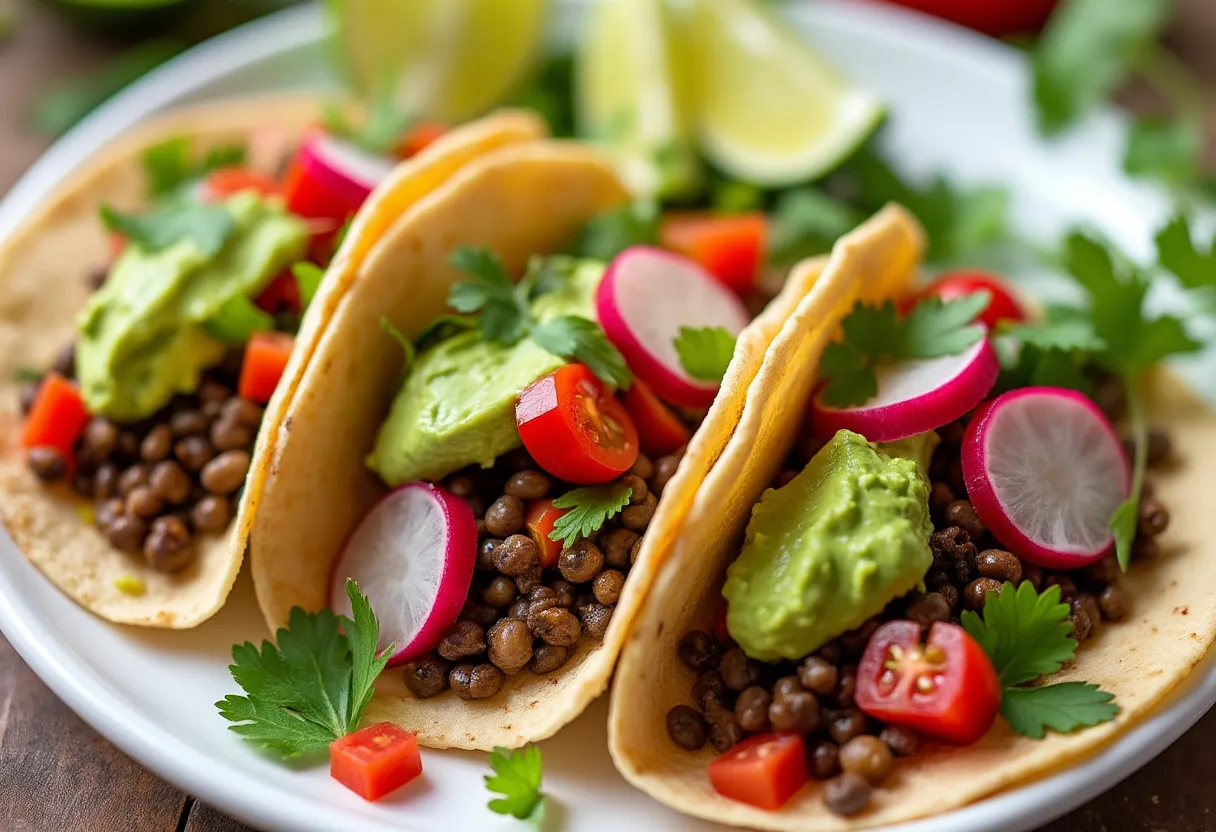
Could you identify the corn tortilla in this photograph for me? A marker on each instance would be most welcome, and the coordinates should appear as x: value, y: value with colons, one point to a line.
x: 1141, y: 659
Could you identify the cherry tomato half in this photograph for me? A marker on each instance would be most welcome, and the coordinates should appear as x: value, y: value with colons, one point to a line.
x: 375, y: 761
x: 1004, y: 305
x: 575, y: 428
x: 946, y: 688
x: 539, y: 520
x: 659, y: 429
x: 762, y: 771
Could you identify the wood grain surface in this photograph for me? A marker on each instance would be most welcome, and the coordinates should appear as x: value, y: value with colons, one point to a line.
x: 56, y: 773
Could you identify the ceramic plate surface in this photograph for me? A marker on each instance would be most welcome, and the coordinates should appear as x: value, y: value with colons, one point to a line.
x: 957, y: 105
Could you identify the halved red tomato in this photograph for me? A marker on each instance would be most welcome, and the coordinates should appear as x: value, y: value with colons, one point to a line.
x: 762, y: 771
x: 376, y: 760
x: 575, y: 428
x: 1004, y: 305
x: 946, y: 687
x: 728, y: 246
x: 539, y: 520
x: 659, y: 429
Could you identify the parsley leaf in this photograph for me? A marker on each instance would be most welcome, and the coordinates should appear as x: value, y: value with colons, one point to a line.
x: 505, y: 316
x: 806, y: 222
x: 705, y: 352
x: 169, y: 165
x: 237, y: 319
x: 383, y: 126
x: 1165, y: 149
x: 1087, y: 50
x: 874, y: 335
x: 314, y: 686
x: 608, y: 234
x: 578, y: 339
x: 1024, y: 633
x: 590, y: 507
x: 517, y: 777
x: 208, y: 227
x: 1063, y: 707
x: 1177, y: 253
x: 308, y: 278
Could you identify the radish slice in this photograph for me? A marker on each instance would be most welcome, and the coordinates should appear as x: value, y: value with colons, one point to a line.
x: 335, y: 177
x: 646, y: 295
x: 412, y: 556
x: 1045, y: 471
x: 915, y: 396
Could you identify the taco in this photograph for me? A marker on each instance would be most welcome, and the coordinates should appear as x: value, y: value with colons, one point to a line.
x: 503, y: 484
x: 140, y: 349
x: 857, y: 612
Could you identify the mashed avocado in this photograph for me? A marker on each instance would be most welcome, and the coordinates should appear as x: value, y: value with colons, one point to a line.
x: 141, y: 336
x: 832, y: 548
x: 457, y: 406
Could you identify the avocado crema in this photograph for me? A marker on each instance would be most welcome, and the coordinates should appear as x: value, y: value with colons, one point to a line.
x: 142, y: 337
x: 457, y: 405
x: 831, y: 548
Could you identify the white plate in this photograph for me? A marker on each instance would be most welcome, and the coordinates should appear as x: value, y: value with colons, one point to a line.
x: 957, y: 104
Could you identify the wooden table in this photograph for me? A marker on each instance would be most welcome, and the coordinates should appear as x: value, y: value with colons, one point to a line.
x: 56, y: 773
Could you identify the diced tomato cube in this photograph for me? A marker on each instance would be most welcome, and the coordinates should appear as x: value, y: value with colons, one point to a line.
x: 375, y: 760
x: 266, y: 357
x: 57, y: 417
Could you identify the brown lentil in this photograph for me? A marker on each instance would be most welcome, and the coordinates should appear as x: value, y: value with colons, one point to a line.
x: 637, y: 489
x: 157, y: 445
x: 187, y: 423
x: 846, y: 724
x: 1087, y: 603
x: 226, y: 473
x: 976, y: 593
x: 1082, y: 625
x: 580, y: 562
x: 518, y: 609
x: 238, y: 409
x: 1160, y: 447
x: 547, y: 658
x: 168, y: 547
x: 1113, y: 602
x: 131, y: 478
x: 170, y: 482
x: 999, y: 565
x: 193, y: 452
x: 1033, y: 574
x: 724, y: 730
x: 1154, y: 517
x: 709, y: 687
x: 426, y: 677
x: 516, y: 555
x: 607, y: 586
x: 664, y: 469
x: 47, y: 463
x: 616, y: 546
x: 564, y: 590
x: 464, y: 638
x: 529, y: 581
x: 500, y: 593
x: 797, y: 712
x: 595, y: 619
x: 928, y: 608
x: 786, y: 686
x: 846, y: 686
x: 480, y: 614
x: 143, y: 502
x: 509, y: 645
x: 105, y: 481
x: 1068, y: 589
x: 962, y: 514
x: 818, y: 675
x: 823, y: 759
x: 751, y: 709
x: 738, y: 671
x: 902, y: 741
x: 485, y: 553
x: 211, y: 514
x: 505, y: 516
x: 686, y: 728
x: 230, y: 435
x: 476, y: 681
x: 638, y: 517
x: 867, y: 756
x: 636, y: 551
x: 556, y: 626
x: 527, y: 485
x: 642, y: 467
x: 847, y: 794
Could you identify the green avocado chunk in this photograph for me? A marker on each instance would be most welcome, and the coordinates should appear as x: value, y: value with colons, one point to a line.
x: 457, y: 405
x: 831, y: 548
x: 142, y: 339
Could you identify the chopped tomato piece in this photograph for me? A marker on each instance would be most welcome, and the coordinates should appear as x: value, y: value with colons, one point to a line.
x: 728, y: 246
x: 660, y: 431
x: 419, y: 137
x: 575, y: 428
x: 946, y: 688
x: 1004, y: 305
x: 762, y: 771
x: 281, y: 295
x: 266, y: 357
x: 57, y: 417
x: 375, y: 760
x: 541, y: 517
x: 228, y: 181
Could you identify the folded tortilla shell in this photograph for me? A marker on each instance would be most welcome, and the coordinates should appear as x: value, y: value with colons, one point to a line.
x: 1139, y: 660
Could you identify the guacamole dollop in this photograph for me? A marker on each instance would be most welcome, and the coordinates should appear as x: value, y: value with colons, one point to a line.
x: 832, y: 547
x: 142, y: 338
x: 457, y: 405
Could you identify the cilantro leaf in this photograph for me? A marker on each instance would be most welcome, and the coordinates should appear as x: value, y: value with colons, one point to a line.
x: 208, y: 227
x: 169, y: 165
x: 874, y: 335
x: 505, y: 316
x: 308, y: 278
x: 517, y: 777
x: 1064, y: 334
x: 383, y: 127
x: 705, y: 352
x: 441, y: 328
x: 1124, y: 523
x: 590, y: 507
x: 1024, y: 633
x: 1177, y: 253
x: 1165, y: 149
x: 363, y: 635
x: 274, y: 727
x: 806, y: 222
x: 608, y: 234
x: 1063, y: 707
x: 578, y: 339
x: 1087, y: 50
x: 1031, y: 366
x: 732, y: 196
x: 237, y: 319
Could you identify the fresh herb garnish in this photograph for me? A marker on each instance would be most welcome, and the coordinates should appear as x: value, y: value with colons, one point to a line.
x: 383, y: 127
x: 1177, y: 253
x: 590, y: 507
x: 23, y: 374
x: 705, y: 352
x: 806, y: 222
x: 1165, y: 149
x: 308, y: 277
x: 1027, y: 635
x: 506, y: 316
x: 442, y: 328
x: 517, y: 777
x: 313, y: 687
x: 169, y: 165
x: 407, y: 346
x: 208, y: 227
x: 237, y: 319
x: 874, y: 335
x: 608, y: 234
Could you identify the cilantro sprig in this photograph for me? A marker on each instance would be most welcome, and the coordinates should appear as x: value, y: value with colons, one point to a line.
x: 1026, y: 635
x: 517, y: 777
x: 382, y: 127
x: 208, y: 227
x: 170, y: 165
x: 505, y: 314
x: 314, y: 686
x: 590, y: 507
x: 705, y: 352
x: 874, y: 335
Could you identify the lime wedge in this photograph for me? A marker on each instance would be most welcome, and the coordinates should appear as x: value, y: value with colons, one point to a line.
x: 770, y: 111
x: 632, y: 96
x: 450, y: 59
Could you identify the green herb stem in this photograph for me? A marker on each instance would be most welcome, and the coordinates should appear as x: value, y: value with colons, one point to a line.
x: 1174, y: 79
x: 1139, y: 429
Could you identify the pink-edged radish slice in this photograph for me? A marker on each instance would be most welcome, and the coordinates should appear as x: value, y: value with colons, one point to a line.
x: 331, y: 177
x: 646, y: 296
x: 914, y: 396
x: 412, y: 556
x: 1045, y: 471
